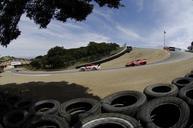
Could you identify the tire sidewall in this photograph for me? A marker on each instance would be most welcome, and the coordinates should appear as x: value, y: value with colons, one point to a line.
x: 148, y: 91
x: 128, y: 110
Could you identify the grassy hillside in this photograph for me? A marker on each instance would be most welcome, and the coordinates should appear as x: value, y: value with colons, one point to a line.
x: 59, y: 57
x: 152, y: 55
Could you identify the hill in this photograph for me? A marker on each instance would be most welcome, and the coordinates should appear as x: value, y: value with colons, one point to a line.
x: 59, y: 57
x: 152, y: 55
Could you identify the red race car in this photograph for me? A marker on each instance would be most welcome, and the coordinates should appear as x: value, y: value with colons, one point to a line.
x: 136, y: 63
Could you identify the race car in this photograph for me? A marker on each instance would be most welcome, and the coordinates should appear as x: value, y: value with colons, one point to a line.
x: 136, y: 63
x: 170, y: 48
x: 90, y: 68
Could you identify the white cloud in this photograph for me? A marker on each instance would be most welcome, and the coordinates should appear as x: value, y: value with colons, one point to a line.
x: 176, y: 17
x: 140, y: 4
x: 34, y: 41
x: 127, y: 33
x: 122, y: 31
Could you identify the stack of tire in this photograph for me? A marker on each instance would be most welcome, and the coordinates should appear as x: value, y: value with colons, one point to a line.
x: 158, y: 106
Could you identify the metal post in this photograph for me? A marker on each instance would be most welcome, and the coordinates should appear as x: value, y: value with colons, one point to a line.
x: 164, y: 38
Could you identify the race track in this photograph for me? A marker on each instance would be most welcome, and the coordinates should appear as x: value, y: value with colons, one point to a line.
x: 173, y: 58
x: 108, y: 81
x: 176, y: 57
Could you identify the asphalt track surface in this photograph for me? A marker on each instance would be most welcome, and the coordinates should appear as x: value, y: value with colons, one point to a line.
x: 174, y: 57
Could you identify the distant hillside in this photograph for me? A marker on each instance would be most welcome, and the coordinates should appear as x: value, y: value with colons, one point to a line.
x: 59, y: 57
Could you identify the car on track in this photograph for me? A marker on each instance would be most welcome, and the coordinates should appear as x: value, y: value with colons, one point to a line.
x: 137, y: 62
x: 91, y: 67
x: 170, y: 48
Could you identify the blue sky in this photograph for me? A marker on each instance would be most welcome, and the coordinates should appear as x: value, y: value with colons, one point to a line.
x: 140, y: 23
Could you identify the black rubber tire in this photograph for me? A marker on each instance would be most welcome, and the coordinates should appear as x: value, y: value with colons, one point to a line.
x: 164, y: 112
x: 125, y: 102
x: 1, y: 98
x: 77, y: 109
x: 189, y: 75
x: 4, y: 95
x: 4, y: 109
x: 24, y: 104
x: 13, y: 99
x: 191, y: 126
x: 46, y: 121
x: 182, y: 82
x: 94, y: 69
x: 109, y: 120
x: 45, y: 107
x: 15, y: 119
x: 160, y: 90
x: 186, y: 94
x: 82, y: 70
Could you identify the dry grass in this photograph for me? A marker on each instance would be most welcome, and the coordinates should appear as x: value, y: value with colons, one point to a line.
x: 152, y: 55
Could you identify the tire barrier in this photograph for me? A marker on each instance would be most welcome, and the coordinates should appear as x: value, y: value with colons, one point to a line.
x: 164, y: 112
x: 24, y: 104
x: 12, y: 99
x: 125, y: 50
x: 189, y: 75
x: 15, y: 119
x: 160, y: 90
x: 158, y: 106
x: 186, y: 94
x: 48, y: 121
x: 4, y: 109
x: 45, y: 107
x: 191, y: 126
x: 125, y: 102
x: 109, y: 120
x: 182, y: 82
x: 78, y: 109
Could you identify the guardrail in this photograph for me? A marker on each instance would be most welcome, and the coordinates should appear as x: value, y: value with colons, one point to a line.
x: 125, y: 50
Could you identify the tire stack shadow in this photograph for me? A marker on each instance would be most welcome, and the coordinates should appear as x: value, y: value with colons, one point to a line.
x: 61, y: 91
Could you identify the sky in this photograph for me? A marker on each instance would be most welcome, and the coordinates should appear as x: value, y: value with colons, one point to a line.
x: 140, y: 23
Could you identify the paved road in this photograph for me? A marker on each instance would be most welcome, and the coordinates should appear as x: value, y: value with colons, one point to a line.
x: 174, y: 57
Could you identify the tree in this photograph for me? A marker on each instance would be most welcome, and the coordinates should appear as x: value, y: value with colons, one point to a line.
x: 42, y: 12
x: 56, y: 62
x: 56, y: 51
x: 36, y: 64
x: 190, y: 47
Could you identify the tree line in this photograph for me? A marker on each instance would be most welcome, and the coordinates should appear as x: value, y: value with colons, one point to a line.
x: 59, y: 57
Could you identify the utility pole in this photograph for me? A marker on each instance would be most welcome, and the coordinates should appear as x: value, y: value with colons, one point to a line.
x: 164, y: 38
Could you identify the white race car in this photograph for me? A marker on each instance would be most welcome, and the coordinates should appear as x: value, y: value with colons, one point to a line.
x: 90, y: 68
